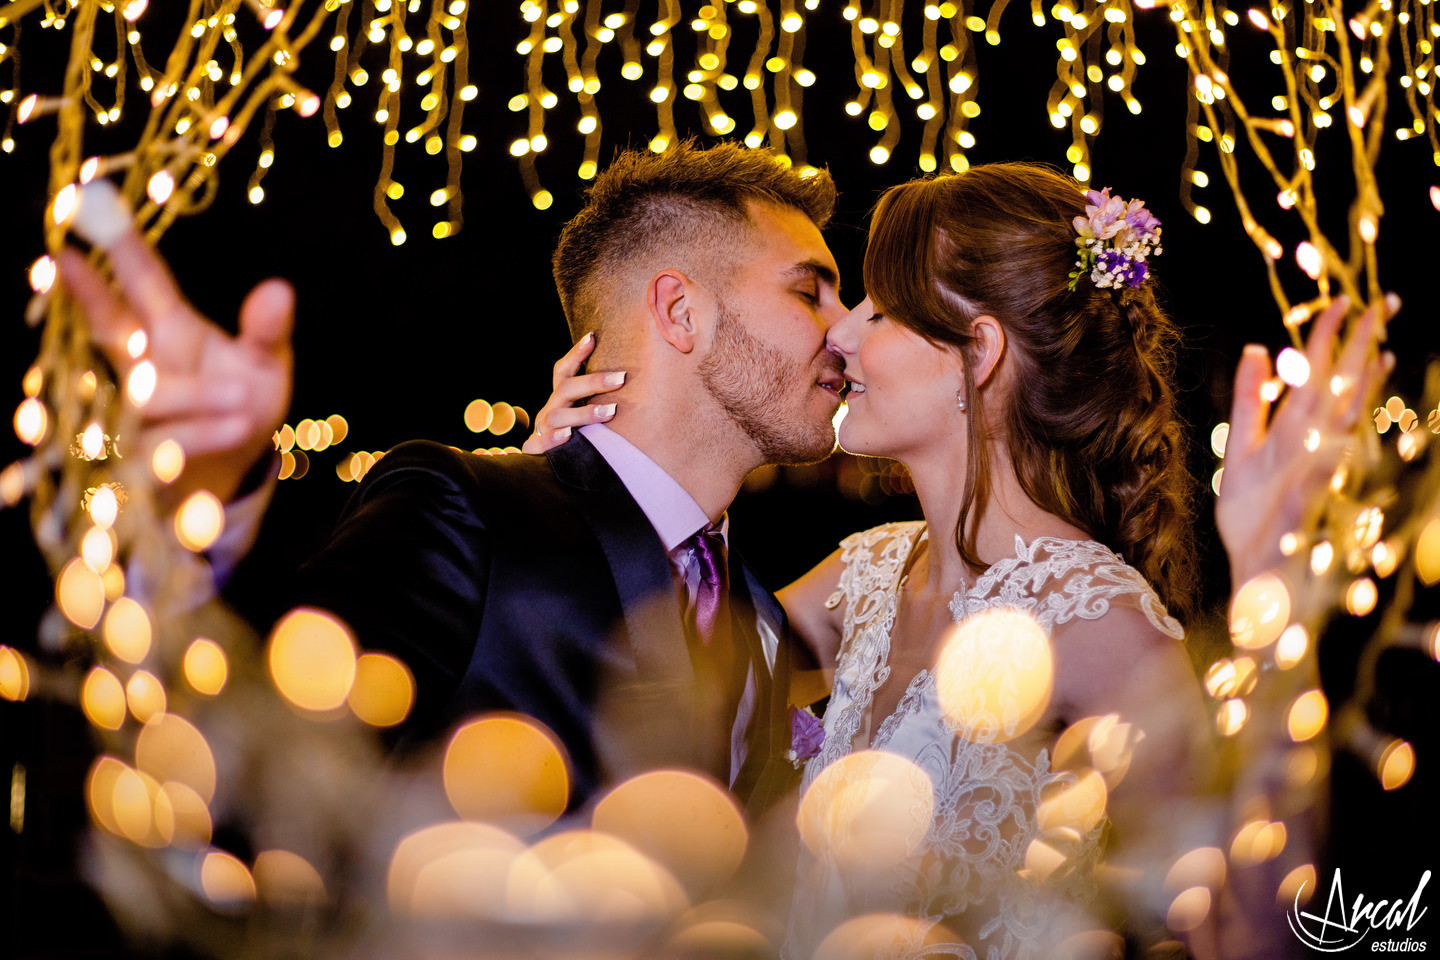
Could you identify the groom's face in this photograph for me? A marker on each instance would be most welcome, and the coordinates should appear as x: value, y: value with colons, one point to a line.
x: 768, y: 367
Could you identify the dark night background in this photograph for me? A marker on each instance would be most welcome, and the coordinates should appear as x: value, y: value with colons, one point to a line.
x: 399, y: 340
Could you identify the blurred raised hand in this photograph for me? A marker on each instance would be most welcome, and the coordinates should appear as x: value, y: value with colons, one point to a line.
x: 221, y: 397
x: 1278, y: 466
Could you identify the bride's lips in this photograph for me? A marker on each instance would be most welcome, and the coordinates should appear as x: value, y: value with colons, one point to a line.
x: 853, y: 388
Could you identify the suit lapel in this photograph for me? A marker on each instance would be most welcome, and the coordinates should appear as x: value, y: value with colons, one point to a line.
x: 636, y: 558
x: 765, y: 774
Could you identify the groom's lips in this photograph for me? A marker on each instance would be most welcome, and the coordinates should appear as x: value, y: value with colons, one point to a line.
x: 832, y: 381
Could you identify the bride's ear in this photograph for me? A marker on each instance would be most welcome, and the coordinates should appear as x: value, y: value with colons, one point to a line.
x: 987, y: 349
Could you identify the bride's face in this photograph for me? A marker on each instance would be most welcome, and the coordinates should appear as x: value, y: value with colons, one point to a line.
x: 903, y: 389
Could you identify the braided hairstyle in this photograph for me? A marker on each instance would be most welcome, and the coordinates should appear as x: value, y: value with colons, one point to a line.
x: 1091, y: 424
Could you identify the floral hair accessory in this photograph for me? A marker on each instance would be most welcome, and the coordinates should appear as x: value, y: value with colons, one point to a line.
x: 807, y: 733
x: 1115, y: 240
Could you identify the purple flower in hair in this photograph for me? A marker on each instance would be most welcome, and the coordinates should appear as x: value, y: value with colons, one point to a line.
x: 1140, y: 220
x: 1104, y: 216
x: 1115, y: 239
x: 807, y: 733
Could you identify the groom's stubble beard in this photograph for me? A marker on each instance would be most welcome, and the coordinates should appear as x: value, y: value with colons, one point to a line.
x: 764, y: 394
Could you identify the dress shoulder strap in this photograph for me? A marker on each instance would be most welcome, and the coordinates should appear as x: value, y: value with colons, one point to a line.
x: 874, y: 559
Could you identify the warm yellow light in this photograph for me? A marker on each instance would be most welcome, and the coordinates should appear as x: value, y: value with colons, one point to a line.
x: 170, y: 749
x: 868, y: 809
x: 1360, y: 597
x: 1307, y: 715
x: 168, y: 461
x: 145, y: 695
x: 1292, y: 367
x: 225, y: 880
x: 685, y: 822
x: 102, y: 699
x: 312, y: 659
x: 31, y: 421
x: 383, y: 692
x: 81, y: 594
x: 1259, y: 612
x: 1397, y: 764
x: 1427, y: 553
x: 14, y: 675
x: 1218, y: 438
x: 206, y: 669
x: 507, y: 770
x: 200, y: 521
x: 140, y: 385
x: 127, y: 630
x: 1290, y: 649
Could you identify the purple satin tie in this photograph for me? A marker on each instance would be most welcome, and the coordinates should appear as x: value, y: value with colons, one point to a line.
x: 710, y: 595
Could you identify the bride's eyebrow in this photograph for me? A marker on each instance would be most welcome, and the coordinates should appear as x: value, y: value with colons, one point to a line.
x: 817, y: 269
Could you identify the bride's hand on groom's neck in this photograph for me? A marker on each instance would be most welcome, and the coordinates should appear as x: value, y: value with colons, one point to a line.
x: 563, y: 411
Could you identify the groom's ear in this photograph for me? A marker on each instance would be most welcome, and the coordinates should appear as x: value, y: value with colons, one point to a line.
x: 670, y: 298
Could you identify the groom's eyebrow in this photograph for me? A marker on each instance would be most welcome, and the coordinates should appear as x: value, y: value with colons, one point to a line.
x: 817, y: 269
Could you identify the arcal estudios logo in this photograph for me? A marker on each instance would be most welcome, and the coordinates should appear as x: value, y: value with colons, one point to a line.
x: 1347, y: 923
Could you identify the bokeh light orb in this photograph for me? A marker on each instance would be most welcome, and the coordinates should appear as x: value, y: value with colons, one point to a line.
x: 171, y: 749
x: 994, y: 675
x: 199, y: 521
x: 312, y: 659
x: 383, y: 692
x: 878, y: 935
x: 287, y: 879
x: 206, y: 669
x: 868, y: 810
x: 452, y: 870
x: 1260, y: 612
x: 127, y: 630
x: 583, y: 876
x: 686, y: 822
x: 507, y: 769
x: 81, y: 594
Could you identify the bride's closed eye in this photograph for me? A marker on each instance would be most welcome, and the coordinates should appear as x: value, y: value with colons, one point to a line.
x: 875, y: 316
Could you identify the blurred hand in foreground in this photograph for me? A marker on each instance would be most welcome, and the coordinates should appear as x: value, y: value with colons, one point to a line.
x: 1278, y: 467
x: 220, y: 397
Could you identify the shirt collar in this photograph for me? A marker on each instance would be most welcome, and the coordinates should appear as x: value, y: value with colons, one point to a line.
x: 670, y: 509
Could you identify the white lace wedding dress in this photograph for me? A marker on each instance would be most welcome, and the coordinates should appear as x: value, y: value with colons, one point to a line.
x: 965, y: 881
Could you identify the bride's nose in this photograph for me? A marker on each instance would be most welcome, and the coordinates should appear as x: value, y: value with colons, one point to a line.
x: 844, y: 337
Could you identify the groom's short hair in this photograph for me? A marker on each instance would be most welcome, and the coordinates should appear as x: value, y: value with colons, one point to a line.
x: 687, y: 198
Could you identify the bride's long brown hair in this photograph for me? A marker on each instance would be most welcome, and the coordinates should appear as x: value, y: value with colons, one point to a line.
x: 1090, y: 424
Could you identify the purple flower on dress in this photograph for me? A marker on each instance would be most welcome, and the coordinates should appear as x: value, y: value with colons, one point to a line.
x: 807, y: 733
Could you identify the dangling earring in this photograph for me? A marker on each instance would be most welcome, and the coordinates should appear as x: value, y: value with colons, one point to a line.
x: 960, y: 399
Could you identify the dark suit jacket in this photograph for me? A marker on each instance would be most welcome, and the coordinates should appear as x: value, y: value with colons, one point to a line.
x: 536, y: 584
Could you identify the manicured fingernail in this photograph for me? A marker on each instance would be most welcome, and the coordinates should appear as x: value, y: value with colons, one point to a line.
x: 1392, y: 303
x: 588, y: 338
x: 615, y: 379
x: 1256, y: 350
x: 563, y: 433
x: 102, y: 216
x: 1389, y: 359
x: 604, y: 411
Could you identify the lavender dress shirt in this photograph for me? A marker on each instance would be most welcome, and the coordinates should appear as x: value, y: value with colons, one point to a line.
x: 676, y: 518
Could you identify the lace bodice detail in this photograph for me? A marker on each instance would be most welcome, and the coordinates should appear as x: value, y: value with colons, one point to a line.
x: 970, y: 871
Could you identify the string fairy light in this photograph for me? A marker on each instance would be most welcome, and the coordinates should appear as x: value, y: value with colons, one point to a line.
x: 97, y: 511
